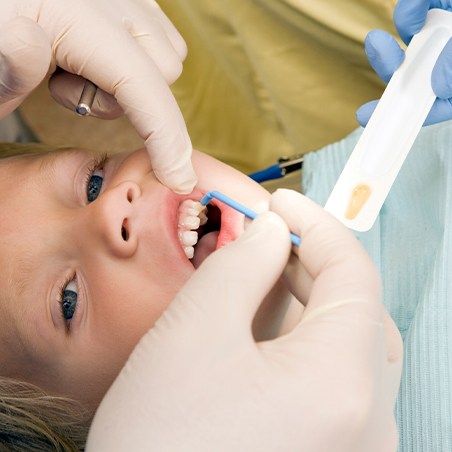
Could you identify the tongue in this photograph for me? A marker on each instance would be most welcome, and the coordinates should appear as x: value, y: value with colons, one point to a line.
x: 205, y: 246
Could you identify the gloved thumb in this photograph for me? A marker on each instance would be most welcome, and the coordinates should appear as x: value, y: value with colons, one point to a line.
x: 25, y: 58
x: 195, y: 337
x: 331, y: 254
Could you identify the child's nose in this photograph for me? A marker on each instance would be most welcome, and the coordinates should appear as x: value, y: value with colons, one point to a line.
x: 112, y: 216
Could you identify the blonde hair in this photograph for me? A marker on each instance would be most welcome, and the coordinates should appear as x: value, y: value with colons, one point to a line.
x: 30, y: 419
x: 8, y: 150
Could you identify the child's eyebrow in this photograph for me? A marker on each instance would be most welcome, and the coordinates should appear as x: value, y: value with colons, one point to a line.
x: 20, y: 279
x: 47, y: 167
x: 24, y: 269
x: 69, y: 160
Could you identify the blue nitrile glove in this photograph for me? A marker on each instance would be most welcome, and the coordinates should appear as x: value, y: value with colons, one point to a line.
x: 385, y: 56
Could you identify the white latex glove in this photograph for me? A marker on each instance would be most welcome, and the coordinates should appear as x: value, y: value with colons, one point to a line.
x: 198, y: 381
x: 129, y: 48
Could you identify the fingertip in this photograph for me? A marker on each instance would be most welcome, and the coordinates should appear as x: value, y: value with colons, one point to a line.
x: 364, y: 113
x: 285, y: 195
x: 373, y: 41
x: 440, y: 111
x: 269, y: 225
x: 181, y: 182
x: 170, y: 150
x: 321, y: 234
x: 384, y: 53
x: 181, y: 47
x: 409, y: 17
x: 299, y: 211
x: 295, y: 208
x: 171, y: 159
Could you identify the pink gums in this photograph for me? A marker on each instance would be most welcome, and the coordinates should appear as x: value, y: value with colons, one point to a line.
x: 231, y: 224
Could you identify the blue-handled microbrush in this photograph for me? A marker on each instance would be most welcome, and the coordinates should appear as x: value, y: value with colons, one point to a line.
x: 240, y: 208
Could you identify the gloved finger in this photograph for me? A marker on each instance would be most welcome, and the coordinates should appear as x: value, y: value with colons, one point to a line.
x: 296, y: 277
x: 146, y: 17
x: 175, y: 38
x: 199, y: 332
x: 440, y: 111
x: 158, y: 120
x: 231, y: 283
x: 66, y: 89
x: 364, y: 112
x: 442, y: 73
x: 25, y: 58
x: 344, y: 314
x: 294, y: 270
x: 384, y: 53
x: 154, y: 41
x: 409, y: 17
x: 339, y: 266
x: 8, y: 107
x: 142, y: 92
x: 298, y: 280
x: 441, y: 4
x: 157, y: 36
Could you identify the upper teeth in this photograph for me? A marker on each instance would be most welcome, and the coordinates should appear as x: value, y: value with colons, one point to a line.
x: 192, y: 214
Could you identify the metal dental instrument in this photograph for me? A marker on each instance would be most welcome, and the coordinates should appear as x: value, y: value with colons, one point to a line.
x: 86, y: 99
x: 295, y: 239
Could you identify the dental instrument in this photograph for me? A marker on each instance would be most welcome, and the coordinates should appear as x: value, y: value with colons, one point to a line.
x: 85, y: 103
x: 384, y: 144
x: 284, y: 166
x: 249, y: 213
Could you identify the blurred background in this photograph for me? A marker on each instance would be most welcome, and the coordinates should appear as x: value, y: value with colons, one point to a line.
x: 262, y: 79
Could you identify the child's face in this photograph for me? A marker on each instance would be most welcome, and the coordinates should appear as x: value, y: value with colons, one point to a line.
x: 83, y: 279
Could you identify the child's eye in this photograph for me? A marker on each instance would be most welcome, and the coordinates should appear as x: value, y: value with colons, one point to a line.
x: 69, y: 297
x: 94, y: 186
x: 95, y: 179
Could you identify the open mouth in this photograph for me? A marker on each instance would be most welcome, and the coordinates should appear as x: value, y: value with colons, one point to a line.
x: 199, y: 230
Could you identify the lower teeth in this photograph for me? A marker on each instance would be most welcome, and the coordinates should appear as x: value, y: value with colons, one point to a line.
x: 189, y: 251
x: 192, y: 215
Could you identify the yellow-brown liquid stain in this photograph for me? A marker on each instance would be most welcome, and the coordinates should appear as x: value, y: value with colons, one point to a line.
x: 360, y: 195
